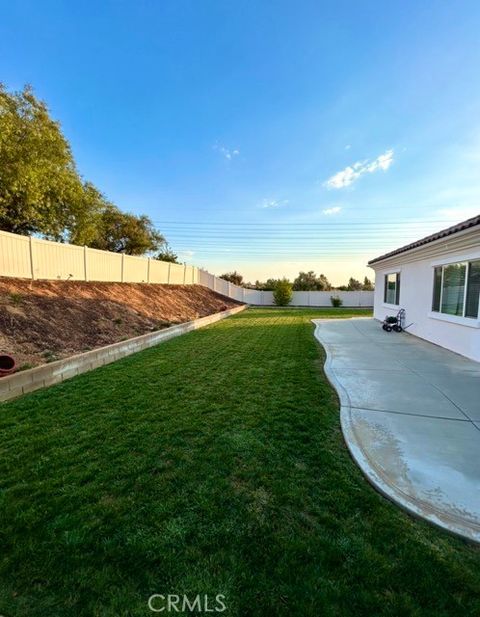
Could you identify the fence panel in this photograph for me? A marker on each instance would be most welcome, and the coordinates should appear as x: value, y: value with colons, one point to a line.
x: 221, y: 286
x: 267, y: 298
x: 311, y: 298
x: 211, y: 280
x: 189, y: 274
x: 135, y: 269
x: 236, y: 292
x: 195, y: 275
x: 301, y: 298
x: 204, y: 277
x: 104, y: 266
x: 260, y: 298
x: 53, y: 260
x: 252, y: 296
x: 356, y: 298
x: 177, y: 273
x: 15, y: 255
x: 159, y: 271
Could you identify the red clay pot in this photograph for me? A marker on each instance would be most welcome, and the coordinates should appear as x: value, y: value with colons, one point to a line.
x: 7, y: 365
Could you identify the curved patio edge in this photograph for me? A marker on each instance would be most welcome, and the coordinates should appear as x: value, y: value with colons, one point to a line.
x: 418, y: 508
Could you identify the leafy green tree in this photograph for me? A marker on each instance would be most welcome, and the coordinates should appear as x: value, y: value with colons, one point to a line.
x: 40, y: 188
x: 367, y: 284
x: 42, y: 193
x: 282, y: 294
x: 309, y: 281
x: 84, y: 220
x: 121, y: 232
x: 354, y: 285
x: 166, y: 254
x: 268, y: 285
x: 233, y: 277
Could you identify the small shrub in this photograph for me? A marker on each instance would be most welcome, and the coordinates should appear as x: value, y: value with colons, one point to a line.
x: 282, y: 294
x: 117, y: 321
x: 49, y: 356
x: 15, y: 298
x: 336, y: 301
x: 25, y: 367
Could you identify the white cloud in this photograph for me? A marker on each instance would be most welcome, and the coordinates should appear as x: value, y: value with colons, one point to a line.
x: 273, y: 203
x: 226, y: 152
x: 186, y: 254
x: 350, y: 174
x: 381, y: 162
x: 333, y: 210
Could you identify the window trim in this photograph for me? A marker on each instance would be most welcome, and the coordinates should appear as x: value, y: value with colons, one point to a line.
x: 460, y: 319
x: 457, y: 258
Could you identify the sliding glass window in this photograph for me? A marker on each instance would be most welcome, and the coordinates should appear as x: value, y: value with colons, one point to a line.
x: 456, y: 289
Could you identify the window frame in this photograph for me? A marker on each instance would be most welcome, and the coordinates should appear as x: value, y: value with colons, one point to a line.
x: 398, y: 287
x: 461, y: 262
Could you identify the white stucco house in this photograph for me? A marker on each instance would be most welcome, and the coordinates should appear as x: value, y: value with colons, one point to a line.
x: 437, y: 281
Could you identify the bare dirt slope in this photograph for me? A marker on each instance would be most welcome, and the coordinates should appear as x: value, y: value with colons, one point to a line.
x: 42, y: 321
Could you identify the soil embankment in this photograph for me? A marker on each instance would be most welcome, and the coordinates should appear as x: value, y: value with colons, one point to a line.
x: 43, y: 321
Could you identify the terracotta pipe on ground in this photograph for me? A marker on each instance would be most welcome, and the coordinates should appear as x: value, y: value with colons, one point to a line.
x: 7, y: 364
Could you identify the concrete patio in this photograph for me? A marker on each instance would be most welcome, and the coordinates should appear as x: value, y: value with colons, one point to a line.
x: 410, y: 415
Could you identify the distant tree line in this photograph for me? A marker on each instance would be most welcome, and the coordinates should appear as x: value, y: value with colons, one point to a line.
x: 42, y: 192
x: 355, y: 285
x: 305, y: 281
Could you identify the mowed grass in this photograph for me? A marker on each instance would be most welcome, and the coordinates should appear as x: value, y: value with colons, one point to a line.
x: 211, y: 464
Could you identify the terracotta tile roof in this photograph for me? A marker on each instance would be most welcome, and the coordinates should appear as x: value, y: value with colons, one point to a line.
x: 436, y: 236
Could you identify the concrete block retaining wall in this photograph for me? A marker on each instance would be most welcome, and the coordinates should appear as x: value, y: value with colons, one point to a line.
x: 42, y: 376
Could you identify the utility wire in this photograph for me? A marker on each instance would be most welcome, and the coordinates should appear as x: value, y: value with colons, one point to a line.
x: 388, y: 223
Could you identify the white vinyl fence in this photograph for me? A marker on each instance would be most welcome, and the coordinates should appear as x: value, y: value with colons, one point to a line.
x: 28, y: 257
x: 311, y: 298
x: 33, y: 258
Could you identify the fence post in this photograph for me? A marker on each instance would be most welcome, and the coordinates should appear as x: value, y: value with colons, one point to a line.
x: 148, y: 270
x: 85, y: 262
x: 123, y: 267
x: 184, y: 273
x: 214, y: 282
x: 168, y: 276
x: 229, y: 289
x: 32, y: 267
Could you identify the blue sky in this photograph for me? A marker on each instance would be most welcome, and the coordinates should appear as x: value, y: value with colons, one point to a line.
x: 268, y: 137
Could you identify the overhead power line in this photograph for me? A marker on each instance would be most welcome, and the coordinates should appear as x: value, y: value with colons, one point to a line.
x: 282, y: 238
x: 277, y: 251
x: 389, y: 223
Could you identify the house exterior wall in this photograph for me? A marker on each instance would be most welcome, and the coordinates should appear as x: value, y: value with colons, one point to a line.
x: 459, y: 334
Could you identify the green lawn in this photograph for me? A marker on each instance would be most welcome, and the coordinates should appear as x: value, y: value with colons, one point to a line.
x: 211, y: 464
